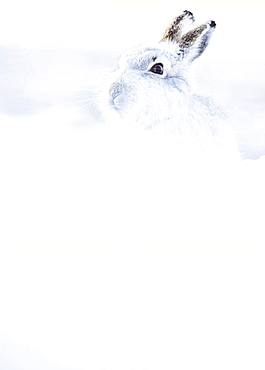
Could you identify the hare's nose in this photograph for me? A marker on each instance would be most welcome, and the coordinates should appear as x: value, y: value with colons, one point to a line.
x: 115, y: 91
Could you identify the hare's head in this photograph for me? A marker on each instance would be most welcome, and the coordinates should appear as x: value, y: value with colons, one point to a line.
x: 152, y: 80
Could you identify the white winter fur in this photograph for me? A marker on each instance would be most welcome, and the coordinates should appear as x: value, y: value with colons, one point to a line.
x: 138, y: 97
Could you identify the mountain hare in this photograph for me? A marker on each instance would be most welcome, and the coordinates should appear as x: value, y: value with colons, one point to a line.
x: 150, y: 87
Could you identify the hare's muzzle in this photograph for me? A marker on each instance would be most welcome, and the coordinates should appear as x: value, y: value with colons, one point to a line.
x: 115, y: 92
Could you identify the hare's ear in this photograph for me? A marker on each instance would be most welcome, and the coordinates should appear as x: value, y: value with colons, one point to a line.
x: 175, y: 30
x: 194, y: 42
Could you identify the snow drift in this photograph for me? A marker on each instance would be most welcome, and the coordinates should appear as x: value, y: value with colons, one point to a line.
x: 122, y: 247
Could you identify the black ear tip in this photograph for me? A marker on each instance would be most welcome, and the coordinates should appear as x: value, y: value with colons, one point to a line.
x: 212, y: 24
x: 188, y: 13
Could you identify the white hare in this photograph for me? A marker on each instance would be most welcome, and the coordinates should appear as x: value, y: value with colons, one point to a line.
x: 151, y: 84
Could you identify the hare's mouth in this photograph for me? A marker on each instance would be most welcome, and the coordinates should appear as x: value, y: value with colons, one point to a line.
x: 116, y: 96
x: 121, y: 96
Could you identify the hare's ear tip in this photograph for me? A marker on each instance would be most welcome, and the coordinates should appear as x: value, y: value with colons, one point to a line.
x: 212, y: 24
x: 188, y: 14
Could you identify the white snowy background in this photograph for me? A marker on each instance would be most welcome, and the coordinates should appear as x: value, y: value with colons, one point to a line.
x: 119, y: 249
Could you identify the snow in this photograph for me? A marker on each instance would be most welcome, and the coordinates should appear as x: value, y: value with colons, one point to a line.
x: 123, y: 248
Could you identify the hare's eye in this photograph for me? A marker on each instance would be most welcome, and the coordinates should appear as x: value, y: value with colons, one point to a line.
x: 157, y: 68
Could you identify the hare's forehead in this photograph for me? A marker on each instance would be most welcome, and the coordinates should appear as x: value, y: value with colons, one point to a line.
x: 143, y: 57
